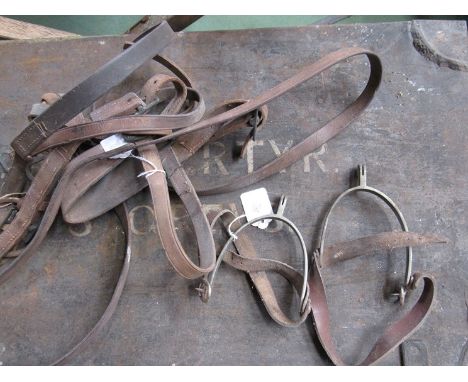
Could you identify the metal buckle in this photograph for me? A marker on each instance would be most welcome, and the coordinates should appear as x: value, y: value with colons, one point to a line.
x: 362, y: 186
x: 143, y: 109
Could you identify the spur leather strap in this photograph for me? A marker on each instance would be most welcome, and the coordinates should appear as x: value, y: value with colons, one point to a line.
x: 393, y: 335
x: 245, y: 259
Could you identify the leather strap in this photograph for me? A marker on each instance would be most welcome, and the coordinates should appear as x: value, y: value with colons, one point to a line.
x: 246, y: 260
x: 324, y: 134
x: 393, y: 336
x: 157, y: 169
x: 136, y: 125
x: 122, y: 213
x: 334, y: 253
x: 49, y: 171
x: 76, y: 100
x: 165, y: 222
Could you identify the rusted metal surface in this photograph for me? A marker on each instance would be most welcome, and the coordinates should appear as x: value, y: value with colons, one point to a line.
x: 412, y: 138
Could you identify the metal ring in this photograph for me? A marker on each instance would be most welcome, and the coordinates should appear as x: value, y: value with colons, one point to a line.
x: 206, y: 285
x: 362, y: 186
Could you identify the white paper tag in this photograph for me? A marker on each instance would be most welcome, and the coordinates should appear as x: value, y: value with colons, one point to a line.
x: 256, y: 203
x: 113, y: 142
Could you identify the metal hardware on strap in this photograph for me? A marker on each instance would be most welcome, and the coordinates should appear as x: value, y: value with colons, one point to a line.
x: 88, y: 91
x: 398, y: 331
x: 205, y: 287
x: 362, y: 186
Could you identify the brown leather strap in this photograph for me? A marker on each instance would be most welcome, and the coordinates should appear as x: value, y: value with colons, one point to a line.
x: 76, y: 100
x: 394, y: 335
x: 246, y: 261
x: 136, y: 125
x: 122, y: 213
x: 163, y: 214
x: 325, y: 133
x: 364, y: 246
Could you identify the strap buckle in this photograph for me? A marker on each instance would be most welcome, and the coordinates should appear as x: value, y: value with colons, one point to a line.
x: 143, y: 109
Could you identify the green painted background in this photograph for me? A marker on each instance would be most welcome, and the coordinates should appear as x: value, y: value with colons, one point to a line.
x: 109, y: 25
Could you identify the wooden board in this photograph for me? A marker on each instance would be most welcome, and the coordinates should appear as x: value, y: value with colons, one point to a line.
x: 14, y: 29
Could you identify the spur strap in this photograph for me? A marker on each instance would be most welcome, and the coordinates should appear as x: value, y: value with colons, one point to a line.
x: 334, y: 253
x: 392, y: 336
x: 323, y: 257
x: 245, y: 259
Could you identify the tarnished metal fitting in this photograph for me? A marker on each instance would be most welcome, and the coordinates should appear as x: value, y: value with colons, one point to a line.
x: 204, y: 290
x: 205, y: 287
x: 362, y: 186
